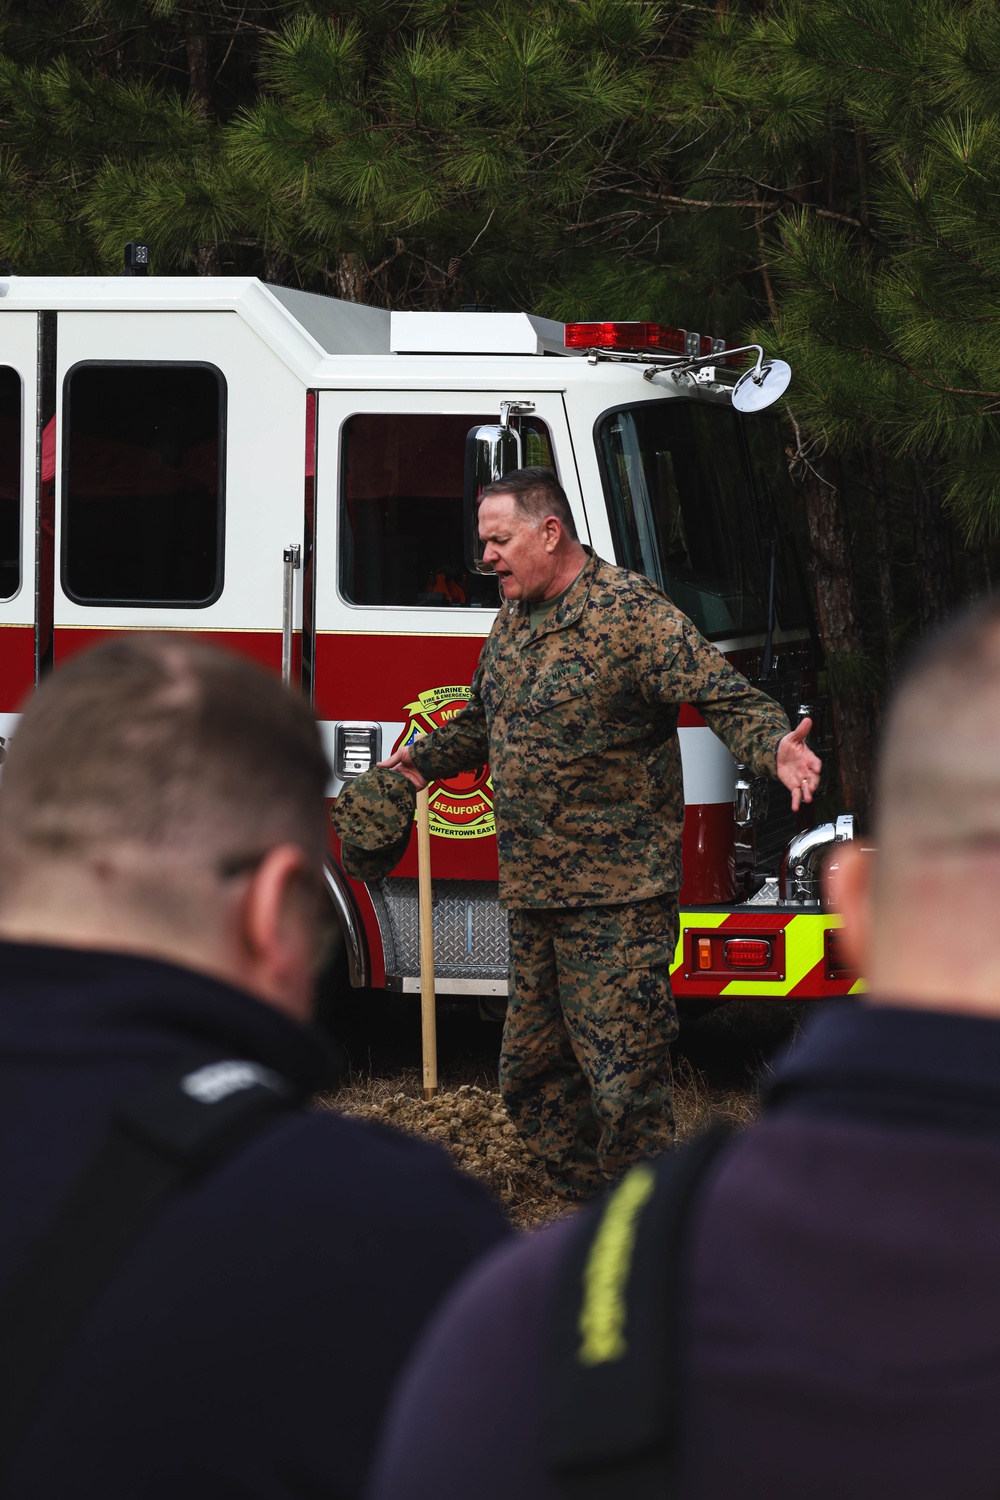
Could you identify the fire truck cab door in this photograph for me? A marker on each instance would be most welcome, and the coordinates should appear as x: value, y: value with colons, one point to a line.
x: 400, y: 611
x: 18, y: 478
x: 180, y: 479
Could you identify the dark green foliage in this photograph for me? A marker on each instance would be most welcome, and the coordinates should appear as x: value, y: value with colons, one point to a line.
x: 894, y: 326
x: 820, y: 174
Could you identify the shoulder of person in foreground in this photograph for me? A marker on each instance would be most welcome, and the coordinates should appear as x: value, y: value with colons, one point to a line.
x: 339, y: 1239
x: 332, y: 1161
x: 468, y: 1414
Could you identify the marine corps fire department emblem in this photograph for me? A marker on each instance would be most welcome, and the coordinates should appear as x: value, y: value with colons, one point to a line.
x: 462, y: 806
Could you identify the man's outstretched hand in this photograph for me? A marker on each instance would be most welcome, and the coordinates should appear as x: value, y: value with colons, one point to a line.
x: 402, y: 760
x: 798, y: 767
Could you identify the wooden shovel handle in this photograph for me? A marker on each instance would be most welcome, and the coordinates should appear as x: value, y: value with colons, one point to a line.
x: 428, y: 1014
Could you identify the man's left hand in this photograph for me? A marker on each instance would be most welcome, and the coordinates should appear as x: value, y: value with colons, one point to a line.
x: 798, y: 767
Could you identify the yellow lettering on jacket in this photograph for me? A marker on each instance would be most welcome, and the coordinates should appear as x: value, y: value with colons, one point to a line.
x: 605, y: 1277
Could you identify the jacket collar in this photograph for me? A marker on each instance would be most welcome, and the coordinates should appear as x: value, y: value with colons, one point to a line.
x: 918, y: 1066
x: 75, y: 1004
x: 569, y: 610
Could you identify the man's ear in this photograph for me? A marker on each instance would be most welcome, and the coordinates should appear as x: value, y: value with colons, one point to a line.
x: 276, y: 940
x: 848, y: 880
x: 553, y: 529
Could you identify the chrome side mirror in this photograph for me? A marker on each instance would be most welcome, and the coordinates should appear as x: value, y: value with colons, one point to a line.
x: 761, y: 387
x: 491, y: 451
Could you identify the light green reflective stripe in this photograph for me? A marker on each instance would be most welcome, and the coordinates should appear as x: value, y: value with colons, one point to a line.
x: 605, y: 1276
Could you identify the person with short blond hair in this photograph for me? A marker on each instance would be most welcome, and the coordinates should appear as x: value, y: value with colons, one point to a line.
x: 162, y: 916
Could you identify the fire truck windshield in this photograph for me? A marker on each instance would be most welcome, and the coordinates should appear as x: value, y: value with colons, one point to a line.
x: 686, y: 512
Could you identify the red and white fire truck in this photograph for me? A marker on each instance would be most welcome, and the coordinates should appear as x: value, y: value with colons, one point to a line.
x: 295, y: 477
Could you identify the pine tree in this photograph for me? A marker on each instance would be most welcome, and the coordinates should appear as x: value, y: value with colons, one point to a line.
x: 112, y: 114
x: 820, y: 176
x: 594, y: 159
x: 880, y: 267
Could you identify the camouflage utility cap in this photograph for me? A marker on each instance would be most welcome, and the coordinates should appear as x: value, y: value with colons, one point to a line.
x: 373, y: 816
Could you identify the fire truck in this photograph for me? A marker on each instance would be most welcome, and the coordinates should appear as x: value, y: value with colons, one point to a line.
x: 295, y: 478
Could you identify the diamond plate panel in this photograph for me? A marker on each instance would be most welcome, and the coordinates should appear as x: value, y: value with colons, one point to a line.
x: 470, y: 929
x: 766, y: 896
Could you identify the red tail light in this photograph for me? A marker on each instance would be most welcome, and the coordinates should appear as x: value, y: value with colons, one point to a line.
x: 747, y: 953
x: 717, y: 957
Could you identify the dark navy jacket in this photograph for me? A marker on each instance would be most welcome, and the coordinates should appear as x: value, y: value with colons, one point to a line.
x: 844, y: 1296
x: 249, y: 1342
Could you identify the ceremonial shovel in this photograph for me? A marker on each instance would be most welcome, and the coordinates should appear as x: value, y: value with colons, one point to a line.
x: 428, y: 1014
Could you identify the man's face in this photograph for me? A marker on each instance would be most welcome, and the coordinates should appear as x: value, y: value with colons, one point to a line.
x: 519, y: 549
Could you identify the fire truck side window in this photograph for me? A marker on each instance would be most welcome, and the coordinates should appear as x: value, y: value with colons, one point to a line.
x: 682, y: 511
x: 10, y: 481
x: 143, y: 507
x: 402, y: 540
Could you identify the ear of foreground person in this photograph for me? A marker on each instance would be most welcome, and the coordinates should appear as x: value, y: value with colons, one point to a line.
x: 815, y: 1311
x: 183, y: 1315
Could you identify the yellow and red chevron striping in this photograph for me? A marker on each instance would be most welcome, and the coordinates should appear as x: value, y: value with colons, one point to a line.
x: 801, y: 944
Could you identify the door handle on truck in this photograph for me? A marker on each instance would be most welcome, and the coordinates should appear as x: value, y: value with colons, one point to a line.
x: 292, y: 558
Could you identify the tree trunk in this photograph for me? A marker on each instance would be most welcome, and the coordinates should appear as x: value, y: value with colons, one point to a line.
x: 864, y: 212
x: 275, y: 266
x: 199, y: 67
x: 350, y: 276
x: 839, y: 616
x: 883, y: 556
x: 934, y: 552
x: 206, y: 261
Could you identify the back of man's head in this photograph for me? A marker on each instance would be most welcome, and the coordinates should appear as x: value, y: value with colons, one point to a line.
x: 926, y: 919
x: 939, y: 778
x: 142, y: 775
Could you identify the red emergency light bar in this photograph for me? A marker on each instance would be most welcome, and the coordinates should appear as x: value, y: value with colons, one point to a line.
x: 643, y: 338
x: 631, y: 337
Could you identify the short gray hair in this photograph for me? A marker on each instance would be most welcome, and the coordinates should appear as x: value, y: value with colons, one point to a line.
x: 162, y: 742
x: 537, y: 493
x: 939, y: 774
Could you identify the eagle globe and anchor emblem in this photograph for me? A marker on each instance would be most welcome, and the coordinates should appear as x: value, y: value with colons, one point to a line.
x: 461, y: 807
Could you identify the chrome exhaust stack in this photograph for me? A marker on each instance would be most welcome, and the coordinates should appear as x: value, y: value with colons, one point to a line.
x: 802, y: 861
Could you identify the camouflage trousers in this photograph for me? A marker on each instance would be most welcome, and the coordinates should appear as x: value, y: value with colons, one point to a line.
x: 585, y: 1063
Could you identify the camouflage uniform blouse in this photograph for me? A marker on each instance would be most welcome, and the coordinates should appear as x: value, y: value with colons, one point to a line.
x: 578, y: 722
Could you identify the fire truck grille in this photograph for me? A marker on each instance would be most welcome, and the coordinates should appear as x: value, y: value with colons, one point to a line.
x: 773, y: 830
x: 470, y: 929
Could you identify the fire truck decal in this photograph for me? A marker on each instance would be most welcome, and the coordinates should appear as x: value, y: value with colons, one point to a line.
x: 462, y: 806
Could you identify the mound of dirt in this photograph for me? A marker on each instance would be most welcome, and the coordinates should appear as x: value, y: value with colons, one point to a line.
x: 470, y: 1122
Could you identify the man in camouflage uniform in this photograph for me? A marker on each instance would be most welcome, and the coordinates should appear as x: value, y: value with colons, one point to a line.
x: 575, y: 704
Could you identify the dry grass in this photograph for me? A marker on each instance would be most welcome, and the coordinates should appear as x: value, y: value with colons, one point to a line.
x: 469, y: 1121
